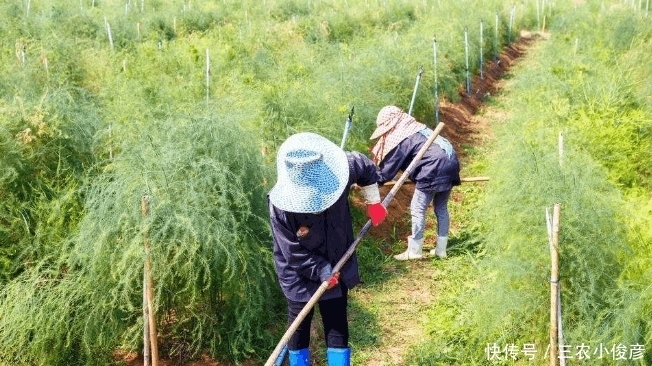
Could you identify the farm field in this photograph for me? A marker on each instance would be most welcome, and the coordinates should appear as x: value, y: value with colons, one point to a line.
x: 141, y: 135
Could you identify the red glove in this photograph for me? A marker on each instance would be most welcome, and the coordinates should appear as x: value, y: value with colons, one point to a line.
x: 377, y: 213
x: 333, y: 281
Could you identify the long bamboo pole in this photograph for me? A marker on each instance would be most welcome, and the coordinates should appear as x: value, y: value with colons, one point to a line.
x: 465, y: 179
x: 474, y: 179
x: 322, y: 288
x: 150, y: 286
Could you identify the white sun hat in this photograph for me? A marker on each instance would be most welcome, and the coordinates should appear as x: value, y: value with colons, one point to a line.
x: 312, y: 173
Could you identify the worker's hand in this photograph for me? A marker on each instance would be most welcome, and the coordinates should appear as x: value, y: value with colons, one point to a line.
x: 377, y: 213
x: 333, y: 281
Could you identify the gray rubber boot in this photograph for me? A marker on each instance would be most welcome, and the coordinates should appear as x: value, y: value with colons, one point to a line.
x: 414, y: 250
x: 440, y: 248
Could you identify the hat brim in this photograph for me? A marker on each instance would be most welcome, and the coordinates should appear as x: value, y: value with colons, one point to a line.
x: 381, y: 130
x: 291, y: 196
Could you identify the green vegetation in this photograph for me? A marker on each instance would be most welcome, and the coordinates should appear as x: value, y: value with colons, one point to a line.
x: 103, y: 102
x: 585, y: 84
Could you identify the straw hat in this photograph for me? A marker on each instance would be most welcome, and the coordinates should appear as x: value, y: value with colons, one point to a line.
x: 312, y: 173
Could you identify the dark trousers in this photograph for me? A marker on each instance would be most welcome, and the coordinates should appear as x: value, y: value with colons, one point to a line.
x: 334, y: 319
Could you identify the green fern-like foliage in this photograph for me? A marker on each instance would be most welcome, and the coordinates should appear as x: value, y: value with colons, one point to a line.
x: 590, y: 94
x: 45, y: 153
x: 209, y: 245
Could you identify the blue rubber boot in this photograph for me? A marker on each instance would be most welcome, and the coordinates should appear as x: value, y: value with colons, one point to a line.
x: 338, y: 356
x: 299, y: 357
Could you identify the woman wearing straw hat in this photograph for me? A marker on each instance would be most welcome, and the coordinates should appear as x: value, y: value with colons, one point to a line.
x: 312, y: 228
x: 400, y: 137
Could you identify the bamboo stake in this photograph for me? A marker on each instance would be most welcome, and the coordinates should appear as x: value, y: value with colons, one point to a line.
x: 208, y: 74
x: 434, y: 46
x: 46, y: 66
x: 150, y: 286
x: 560, y: 333
x: 414, y: 93
x: 512, y: 16
x: 481, y: 56
x: 110, y: 142
x: 146, y: 341
x: 560, y: 144
x: 108, y: 32
x: 21, y: 53
x: 466, y: 56
x: 338, y: 266
x: 554, y: 287
x: 347, y: 128
x: 496, y: 39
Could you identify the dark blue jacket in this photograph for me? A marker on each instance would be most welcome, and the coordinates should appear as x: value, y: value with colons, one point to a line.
x: 300, y: 262
x: 436, y: 171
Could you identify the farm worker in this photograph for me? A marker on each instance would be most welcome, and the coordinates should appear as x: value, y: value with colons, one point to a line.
x: 400, y: 137
x: 312, y: 228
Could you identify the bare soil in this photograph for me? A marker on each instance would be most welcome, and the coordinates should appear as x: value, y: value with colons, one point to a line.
x: 463, y: 128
